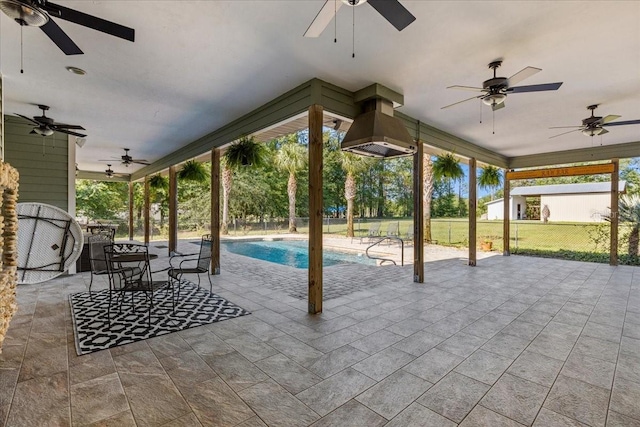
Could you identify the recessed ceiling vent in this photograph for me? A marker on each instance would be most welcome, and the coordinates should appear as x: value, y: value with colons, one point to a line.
x: 376, y: 133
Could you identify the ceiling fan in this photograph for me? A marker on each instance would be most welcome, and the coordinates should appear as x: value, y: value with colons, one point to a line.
x: 38, y: 13
x: 110, y: 173
x: 495, y: 90
x: 126, y: 159
x: 391, y: 10
x: 593, y: 125
x: 45, y: 126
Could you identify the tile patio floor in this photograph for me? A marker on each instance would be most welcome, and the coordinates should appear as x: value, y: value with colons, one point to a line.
x: 514, y: 341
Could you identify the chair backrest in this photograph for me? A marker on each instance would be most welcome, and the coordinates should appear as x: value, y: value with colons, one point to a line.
x: 392, y: 229
x: 128, y: 265
x: 97, y: 243
x: 204, y: 258
x: 374, y: 229
x: 107, y: 231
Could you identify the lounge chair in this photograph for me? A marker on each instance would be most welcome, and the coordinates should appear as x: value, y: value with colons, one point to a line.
x: 372, y: 233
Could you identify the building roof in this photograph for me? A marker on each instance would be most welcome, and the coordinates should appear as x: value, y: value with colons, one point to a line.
x: 588, y: 187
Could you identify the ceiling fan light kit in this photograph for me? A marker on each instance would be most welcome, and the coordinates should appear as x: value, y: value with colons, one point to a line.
x: 24, y: 13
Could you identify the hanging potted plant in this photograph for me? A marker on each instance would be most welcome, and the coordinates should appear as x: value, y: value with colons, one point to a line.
x: 245, y: 152
x: 193, y: 170
x: 158, y: 182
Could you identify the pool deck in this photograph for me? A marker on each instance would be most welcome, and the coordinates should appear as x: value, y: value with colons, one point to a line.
x: 516, y: 341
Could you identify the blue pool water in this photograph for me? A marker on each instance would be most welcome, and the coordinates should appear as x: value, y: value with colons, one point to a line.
x: 294, y: 253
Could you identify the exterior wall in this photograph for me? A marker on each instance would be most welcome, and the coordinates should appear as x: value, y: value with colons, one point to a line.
x: 496, y: 210
x: 43, y: 178
x: 588, y: 207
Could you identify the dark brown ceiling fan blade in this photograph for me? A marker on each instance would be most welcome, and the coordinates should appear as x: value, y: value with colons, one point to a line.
x: 64, y: 126
x: 140, y: 162
x: 90, y: 21
x: 626, y: 122
x: 564, y: 133
x: 28, y: 118
x: 534, y: 88
x: 68, y: 132
x: 394, y: 12
x: 460, y: 102
x: 60, y: 38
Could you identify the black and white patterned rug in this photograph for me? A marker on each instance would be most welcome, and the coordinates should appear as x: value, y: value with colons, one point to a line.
x: 196, y: 307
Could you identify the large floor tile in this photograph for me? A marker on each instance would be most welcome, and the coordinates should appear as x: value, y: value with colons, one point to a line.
x: 515, y: 398
x: 536, y: 367
x: 335, y: 391
x: 41, y: 401
x: 235, y: 370
x: 392, y: 395
x: 351, y: 414
x: 454, y: 396
x: 433, y: 365
x: 483, y: 417
x: 484, y: 366
x: 596, y: 372
x: 382, y: 364
x: 276, y: 406
x: 293, y: 377
x: 579, y: 400
x: 417, y: 415
x: 547, y: 418
x: 97, y: 399
x: 625, y: 398
x: 337, y: 360
x: 156, y: 402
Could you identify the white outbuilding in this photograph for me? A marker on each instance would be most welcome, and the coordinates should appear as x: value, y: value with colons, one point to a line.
x: 584, y: 202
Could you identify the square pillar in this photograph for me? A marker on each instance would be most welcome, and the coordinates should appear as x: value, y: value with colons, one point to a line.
x: 173, y: 210
x: 613, y: 244
x: 418, y: 214
x: 215, y: 211
x: 506, y: 204
x: 147, y: 210
x: 473, y: 203
x: 131, y: 184
x: 315, y: 208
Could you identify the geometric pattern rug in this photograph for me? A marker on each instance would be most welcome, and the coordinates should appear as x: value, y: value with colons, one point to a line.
x: 196, y: 307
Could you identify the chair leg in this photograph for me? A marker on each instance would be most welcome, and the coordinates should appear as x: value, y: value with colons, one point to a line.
x: 210, y: 282
x: 91, y: 283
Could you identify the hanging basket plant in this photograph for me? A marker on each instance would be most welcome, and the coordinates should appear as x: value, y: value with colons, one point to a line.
x: 193, y: 170
x: 245, y: 152
x: 158, y: 182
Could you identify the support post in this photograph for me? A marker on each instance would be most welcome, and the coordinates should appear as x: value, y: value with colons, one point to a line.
x: 215, y: 211
x: 131, y: 184
x: 473, y: 203
x: 173, y: 210
x: 147, y: 210
x: 507, y: 216
x: 613, y: 248
x: 418, y: 214
x: 315, y: 208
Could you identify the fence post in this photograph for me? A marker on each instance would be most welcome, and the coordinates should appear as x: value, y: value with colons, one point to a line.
x: 449, y: 232
x: 328, y: 225
x: 516, y: 237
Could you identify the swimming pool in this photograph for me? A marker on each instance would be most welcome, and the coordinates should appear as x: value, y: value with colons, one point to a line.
x: 294, y: 253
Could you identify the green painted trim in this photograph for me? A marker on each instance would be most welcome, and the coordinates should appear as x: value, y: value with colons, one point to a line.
x: 447, y: 142
x: 605, y: 152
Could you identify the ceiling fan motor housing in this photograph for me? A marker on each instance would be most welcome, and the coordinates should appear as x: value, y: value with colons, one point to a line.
x: 495, y: 83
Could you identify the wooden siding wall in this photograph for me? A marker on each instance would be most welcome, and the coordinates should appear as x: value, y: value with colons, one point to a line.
x: 1, y: 122
x: 43, y: 178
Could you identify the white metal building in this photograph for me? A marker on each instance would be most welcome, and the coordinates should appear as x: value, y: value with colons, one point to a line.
x: 585, y: 202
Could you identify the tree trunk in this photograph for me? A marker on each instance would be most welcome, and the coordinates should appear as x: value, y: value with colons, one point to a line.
x: 227, y: 180
x: 427, y: 165
x: 634, y: 238
x: 292, y: 186
x: 350, y: 194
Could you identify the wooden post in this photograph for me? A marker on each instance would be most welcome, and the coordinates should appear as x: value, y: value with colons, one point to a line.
x: 473, y: 203
x: 173, y: 210
x: 418, y: 214
x: 315, y: 208
x: 613, y: 248
x: 506, y: 238
x: 215, y: 211
x: 131, y: 184
x: 147, y: 209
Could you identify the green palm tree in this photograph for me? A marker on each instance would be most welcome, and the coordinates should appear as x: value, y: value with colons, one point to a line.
x: 245, y: 152
x: 427, y: 166
x: 447, y: 166
x: 629, y: 212
x: 291, y: 157
x: 490, y: 178
x: 352, y: 165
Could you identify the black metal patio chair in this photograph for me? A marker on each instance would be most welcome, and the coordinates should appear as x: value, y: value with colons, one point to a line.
x: 193, y: 263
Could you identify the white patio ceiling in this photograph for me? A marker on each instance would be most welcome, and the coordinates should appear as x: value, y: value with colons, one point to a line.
x: 197, y: 65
